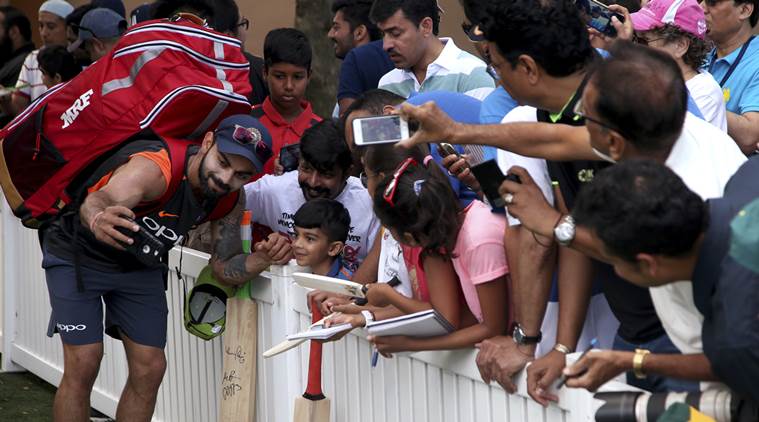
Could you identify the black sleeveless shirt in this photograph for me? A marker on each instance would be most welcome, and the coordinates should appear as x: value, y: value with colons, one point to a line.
x: 169, y: 223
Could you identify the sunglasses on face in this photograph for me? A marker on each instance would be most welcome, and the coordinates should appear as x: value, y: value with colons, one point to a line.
x: 389, y: 193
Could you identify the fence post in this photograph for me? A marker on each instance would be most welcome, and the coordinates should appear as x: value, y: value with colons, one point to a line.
x: 8, y: 283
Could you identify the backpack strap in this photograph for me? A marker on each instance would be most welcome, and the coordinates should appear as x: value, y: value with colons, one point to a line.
x: 177, y: 150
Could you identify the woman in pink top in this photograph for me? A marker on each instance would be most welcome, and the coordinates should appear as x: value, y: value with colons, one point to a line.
x: 419, y: 207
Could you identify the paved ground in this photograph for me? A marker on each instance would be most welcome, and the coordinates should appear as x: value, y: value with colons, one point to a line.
x: 26, y: 398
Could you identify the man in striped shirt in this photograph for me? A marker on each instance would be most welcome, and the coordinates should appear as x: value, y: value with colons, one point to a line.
x: 52, y: 26
x: 423, y: 62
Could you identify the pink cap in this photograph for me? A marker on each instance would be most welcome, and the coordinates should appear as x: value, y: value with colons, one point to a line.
x: 684, y: 14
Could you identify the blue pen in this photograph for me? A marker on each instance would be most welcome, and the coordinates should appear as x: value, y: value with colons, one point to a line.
x: 563, y: 379
x: 375, y: 357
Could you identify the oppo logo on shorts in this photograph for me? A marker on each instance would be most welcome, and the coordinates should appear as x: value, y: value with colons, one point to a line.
x: 70, y: 327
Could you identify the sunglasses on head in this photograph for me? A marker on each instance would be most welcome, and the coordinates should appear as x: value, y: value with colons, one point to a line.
x: 251, y: 136
x: 389, y: 193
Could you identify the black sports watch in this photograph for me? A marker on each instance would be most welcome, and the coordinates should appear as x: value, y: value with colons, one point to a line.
x: 521, y: 338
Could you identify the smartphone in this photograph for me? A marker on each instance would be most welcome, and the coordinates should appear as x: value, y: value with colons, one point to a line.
x: 598, y: 16
x: 379, y: 130
x: 446, y: 149
x: 289, y: 157
x: 490, y: 177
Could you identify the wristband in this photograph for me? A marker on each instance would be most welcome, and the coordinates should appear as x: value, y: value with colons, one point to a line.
x: 95, y: 220
x: 640, y: 354
x: 368, y: 317
x: 562, y: 348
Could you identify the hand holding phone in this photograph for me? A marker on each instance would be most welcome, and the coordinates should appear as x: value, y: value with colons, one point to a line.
x: 598, y: 16
x: 379, y: 130
x: 490, y: 177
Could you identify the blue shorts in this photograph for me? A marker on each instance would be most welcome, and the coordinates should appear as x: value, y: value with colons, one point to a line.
x: 135, y: 304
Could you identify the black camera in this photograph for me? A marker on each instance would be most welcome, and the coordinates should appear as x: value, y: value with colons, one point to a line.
x: 146, y: 247
x: 289, y: 157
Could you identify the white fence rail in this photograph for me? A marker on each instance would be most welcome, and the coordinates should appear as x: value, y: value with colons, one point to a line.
x: 428, y: 386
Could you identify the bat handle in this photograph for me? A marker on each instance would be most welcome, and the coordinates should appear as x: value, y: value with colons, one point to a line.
x: 314, y: 386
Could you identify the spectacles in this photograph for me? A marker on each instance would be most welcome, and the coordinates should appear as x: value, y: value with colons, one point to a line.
x: 472, y: 31
x: 579, y: 111
x: 244, y: 23
x: 389, y: 193
x: 644, y: 41
x: 248, y: 136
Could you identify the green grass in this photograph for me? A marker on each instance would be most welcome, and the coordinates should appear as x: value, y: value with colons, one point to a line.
x: 25, y: 397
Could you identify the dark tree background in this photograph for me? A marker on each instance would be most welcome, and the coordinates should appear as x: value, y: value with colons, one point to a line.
x: 314, y: 17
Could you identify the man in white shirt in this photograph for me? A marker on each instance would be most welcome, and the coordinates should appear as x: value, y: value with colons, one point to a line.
x: 52, y: 25
x: 423, y: 62
x: 322, y: 173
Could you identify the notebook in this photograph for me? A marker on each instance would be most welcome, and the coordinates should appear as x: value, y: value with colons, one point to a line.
x: 318, y: 332
x: 329, y: 284
x: 427, y: 323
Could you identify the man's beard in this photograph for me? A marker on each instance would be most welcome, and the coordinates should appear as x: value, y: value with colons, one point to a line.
x: 320, y: 192
x: 208, y: 192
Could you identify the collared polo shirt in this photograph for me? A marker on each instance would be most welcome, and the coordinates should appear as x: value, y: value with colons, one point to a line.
x: 453, y: 70
x: 741, y: 90
x: 283, y: 132
x: 362, y: 69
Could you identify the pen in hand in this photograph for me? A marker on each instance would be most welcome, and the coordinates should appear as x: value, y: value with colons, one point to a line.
x: 563, y: 378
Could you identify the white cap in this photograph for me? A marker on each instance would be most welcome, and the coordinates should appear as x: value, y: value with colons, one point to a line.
x: 57, y: 7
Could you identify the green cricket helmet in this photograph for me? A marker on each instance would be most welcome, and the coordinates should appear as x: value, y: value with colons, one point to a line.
x: 205, y: 307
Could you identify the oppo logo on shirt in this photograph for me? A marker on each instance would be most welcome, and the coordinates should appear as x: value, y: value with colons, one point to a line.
x: 73, y: 112
x: 161, y: 230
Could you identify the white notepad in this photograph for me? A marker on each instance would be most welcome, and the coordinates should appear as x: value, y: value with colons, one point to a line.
x: 318, y: 332
x: 427, y: 323
x: 329, y: 284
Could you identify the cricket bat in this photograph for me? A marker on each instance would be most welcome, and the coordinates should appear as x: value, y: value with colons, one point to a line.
x: 238, y: 384
x: 313, y: 406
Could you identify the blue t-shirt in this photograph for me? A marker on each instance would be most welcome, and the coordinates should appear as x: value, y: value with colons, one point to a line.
x: 461, y: 108
x: 741, y: 90
x: 362, y: 69
x: 340, y: 270
x: 495, y: 106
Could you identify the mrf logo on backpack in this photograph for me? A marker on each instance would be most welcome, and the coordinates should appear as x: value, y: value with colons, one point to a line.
x: 176, y: 80
x: 73, y: 112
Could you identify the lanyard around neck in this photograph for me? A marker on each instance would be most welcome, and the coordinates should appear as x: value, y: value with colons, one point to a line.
x: 735, y: 63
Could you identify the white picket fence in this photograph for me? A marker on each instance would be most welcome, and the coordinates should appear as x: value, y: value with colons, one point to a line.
x: 427, y: 386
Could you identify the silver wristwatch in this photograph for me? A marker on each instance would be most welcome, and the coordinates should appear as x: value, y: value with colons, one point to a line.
x: 564, y: 232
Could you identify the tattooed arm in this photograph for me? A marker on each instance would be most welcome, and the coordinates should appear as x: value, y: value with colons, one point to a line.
x: 232, y: 266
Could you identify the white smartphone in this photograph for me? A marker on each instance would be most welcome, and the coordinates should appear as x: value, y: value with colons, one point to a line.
x: 379, y: 130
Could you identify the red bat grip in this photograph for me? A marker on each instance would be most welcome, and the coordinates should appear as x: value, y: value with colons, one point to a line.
x: 314, y: 386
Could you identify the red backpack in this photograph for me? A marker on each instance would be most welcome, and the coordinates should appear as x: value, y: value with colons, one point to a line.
x: 176, y: 80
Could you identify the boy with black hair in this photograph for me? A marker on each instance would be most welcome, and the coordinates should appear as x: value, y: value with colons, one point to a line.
x: 285, y: 112
x: 57, y: 65
x: 321, y: 230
